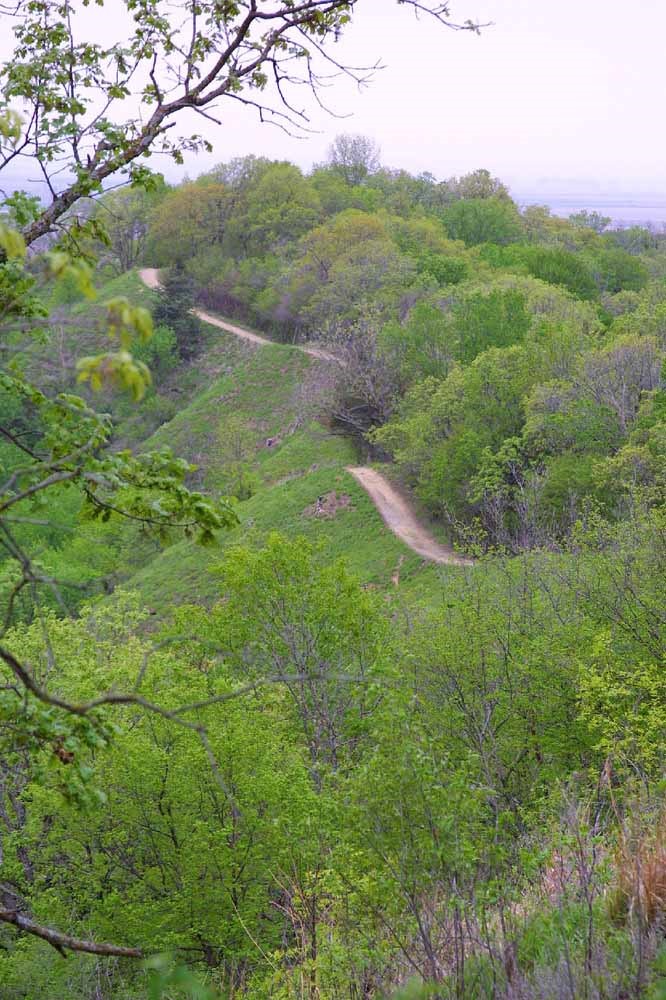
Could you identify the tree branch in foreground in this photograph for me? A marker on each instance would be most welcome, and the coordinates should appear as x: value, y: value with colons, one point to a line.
x: 232, y: 52
x: 64, y: 942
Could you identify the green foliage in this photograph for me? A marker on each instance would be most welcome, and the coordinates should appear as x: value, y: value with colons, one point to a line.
x: 290, y: 617
x: 282, y: 207
x: 551, y: 264
x: 421, y: 346
x: 237, y: 453
x: 67, y: 292
x: 590, y: 220
x: 445, y: 270
x: 169, y: 978
x: 186, y: 221
x: 480, y: 322
x: 160, y: 352
x: 558, y: 267
x: 483, y: 220
x: 125, y: 216
x: 443, y: 428
x: 567, y: 480
x: 55, y: 445
x: 173, y: 310
x: 559, y: 420
x: 615, y: 270
x: 22, y: 208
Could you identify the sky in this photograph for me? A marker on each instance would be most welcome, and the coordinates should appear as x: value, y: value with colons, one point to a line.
x: 552, y: 96
x: 563, y: 94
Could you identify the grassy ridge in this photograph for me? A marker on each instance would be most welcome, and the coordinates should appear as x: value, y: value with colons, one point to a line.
x: 261, y: 386
x: 293, y: 459
x: 183, y: 572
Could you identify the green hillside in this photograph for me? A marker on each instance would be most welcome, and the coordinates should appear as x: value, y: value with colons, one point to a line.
x: 293, y: 460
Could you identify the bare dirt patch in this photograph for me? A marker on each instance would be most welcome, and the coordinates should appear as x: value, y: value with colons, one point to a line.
x: 328, y: 505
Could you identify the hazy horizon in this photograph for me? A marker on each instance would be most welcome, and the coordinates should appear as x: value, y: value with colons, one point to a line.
x: 563, y: 196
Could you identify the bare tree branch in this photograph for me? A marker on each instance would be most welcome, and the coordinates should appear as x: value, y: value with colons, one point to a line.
x: 65, y: 942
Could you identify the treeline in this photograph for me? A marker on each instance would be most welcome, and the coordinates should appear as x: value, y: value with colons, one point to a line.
x: 509, y: 362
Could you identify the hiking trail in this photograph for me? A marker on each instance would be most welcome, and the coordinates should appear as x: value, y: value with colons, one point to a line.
x: 396, y: 513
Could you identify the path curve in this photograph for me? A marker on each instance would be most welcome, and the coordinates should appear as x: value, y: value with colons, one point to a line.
x: 395, y: 512
x: 150, y: 277
x: 400, y: 518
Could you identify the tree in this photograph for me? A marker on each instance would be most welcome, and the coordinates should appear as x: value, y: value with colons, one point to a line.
x: 124, y: 216
x: 238, y: 174
x: 326, y: 244
x: 72, y: 89
x: 367, y: 379
x: 286, y: 615
x: 353, y: 157
x: 558, y: 267
x: 615, y: 270
x: 479, y: 184
x: 174, y: 310
x: 590, y: 220
x: 191, y: 219
x: 478, y: 322
x: 238, y: 448
x: 560, y: 419
x: 419, y: 347
x: 541, y: 226
x: 51, y: 445
x: 634, y: 239
x: 371, y: 275
x: 441, y: 430
x: 281, y: 207
x: 617, y: 375
x: 346, y: 266
x: 483, y: 220
x: 196, y: 852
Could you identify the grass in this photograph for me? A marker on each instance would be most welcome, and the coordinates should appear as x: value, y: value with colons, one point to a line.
x: 128, y: 285
x: 259, y: 386
x: 185, y: 572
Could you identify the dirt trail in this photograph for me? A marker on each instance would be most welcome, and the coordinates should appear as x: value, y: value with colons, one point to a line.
x: 396, y: 513
x: 400, y: 518
x: 150, y: 277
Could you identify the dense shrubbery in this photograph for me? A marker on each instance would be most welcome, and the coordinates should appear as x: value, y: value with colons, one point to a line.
x: 456, y: 798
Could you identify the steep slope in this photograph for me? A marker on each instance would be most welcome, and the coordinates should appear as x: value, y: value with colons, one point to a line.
x: 395, y: 511
x: 244, y: 407
x: 302, y: 485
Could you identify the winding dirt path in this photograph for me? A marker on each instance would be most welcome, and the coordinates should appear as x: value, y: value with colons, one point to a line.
x: 400, y: 518
x: 395, y: 512
x: 150, y: 277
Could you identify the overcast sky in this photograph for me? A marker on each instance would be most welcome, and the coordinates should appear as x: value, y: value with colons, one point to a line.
x: 567, y: 94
